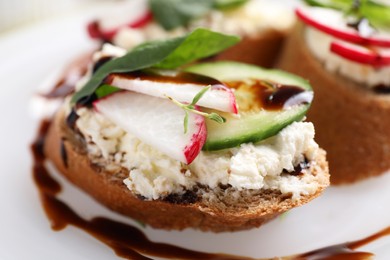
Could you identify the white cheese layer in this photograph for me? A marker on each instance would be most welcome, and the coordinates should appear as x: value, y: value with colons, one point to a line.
x: 253, y: 18
x: 154, y: 175
x: 319, y: 44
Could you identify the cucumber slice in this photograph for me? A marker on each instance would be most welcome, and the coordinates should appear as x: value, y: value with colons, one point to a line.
x: 254, y: 123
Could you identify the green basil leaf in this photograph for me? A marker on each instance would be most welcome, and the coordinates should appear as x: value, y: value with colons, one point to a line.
x: 105, y: 90
x: 200, y: 44
x: 228, y: 4
x: 168, y: 54
x: 137, y: 59
x: 174, y: 13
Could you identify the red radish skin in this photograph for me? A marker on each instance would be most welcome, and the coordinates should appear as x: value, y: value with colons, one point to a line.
x: 233, y: 101
x: 369, y: 57
x: 192, y: 150
x: 143, y: 21
x: 197, y: 141
x: 350, y: 36
x: 95, y: 32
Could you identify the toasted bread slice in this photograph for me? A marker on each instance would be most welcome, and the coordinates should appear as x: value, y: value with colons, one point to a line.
x: 352, y: 122
x: 202, y: 208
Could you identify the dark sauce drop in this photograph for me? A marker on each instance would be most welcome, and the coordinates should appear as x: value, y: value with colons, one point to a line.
x: 276, y: 98
x: 298, y: 169
x: 166, y: 77
x: 188, y: 197
x: 381, y: 89
x: 100, y: 63
x: 131, y: 243
x: 86, y: 101
x: 71, y: 119
x: 62, y: 89
x: 66, y: 85
x: 354, y: 24
x: 270, y: 96
x: 64, y: 155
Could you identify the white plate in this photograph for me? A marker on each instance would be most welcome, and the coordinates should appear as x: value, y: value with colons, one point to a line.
x: 26, y: 57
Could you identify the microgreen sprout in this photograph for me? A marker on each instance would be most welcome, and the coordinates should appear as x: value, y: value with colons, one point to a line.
x: 192, y: 108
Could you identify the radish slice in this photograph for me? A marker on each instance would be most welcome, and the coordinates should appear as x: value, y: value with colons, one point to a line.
x: 96, y: 32
x: 376, y: 57
x: 219, y: 97
x: 157, y: 122
x: 332, y: 22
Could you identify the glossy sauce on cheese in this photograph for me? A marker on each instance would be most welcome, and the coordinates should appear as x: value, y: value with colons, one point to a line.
x: 265, y: 95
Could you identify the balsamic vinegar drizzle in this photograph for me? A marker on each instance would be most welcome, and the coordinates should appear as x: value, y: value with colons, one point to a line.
x: 66, y: 85
x: 269, y: 95
x: 131, y: 243
x: 346, y: 250
x: 167, y: 76
x: 62, y: 89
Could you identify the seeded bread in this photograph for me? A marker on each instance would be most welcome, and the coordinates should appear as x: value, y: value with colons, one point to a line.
x: 221, y: 209
x: 352, y: 123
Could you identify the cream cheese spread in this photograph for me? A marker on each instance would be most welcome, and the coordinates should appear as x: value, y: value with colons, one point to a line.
x: 154, y: 175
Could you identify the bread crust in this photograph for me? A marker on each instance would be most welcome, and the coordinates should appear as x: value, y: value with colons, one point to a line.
x: 110, y: 191
x: 352, y: 123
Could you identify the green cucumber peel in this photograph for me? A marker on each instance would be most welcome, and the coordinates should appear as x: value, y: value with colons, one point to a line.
x: 249, y: 127
x: 253, y: 135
